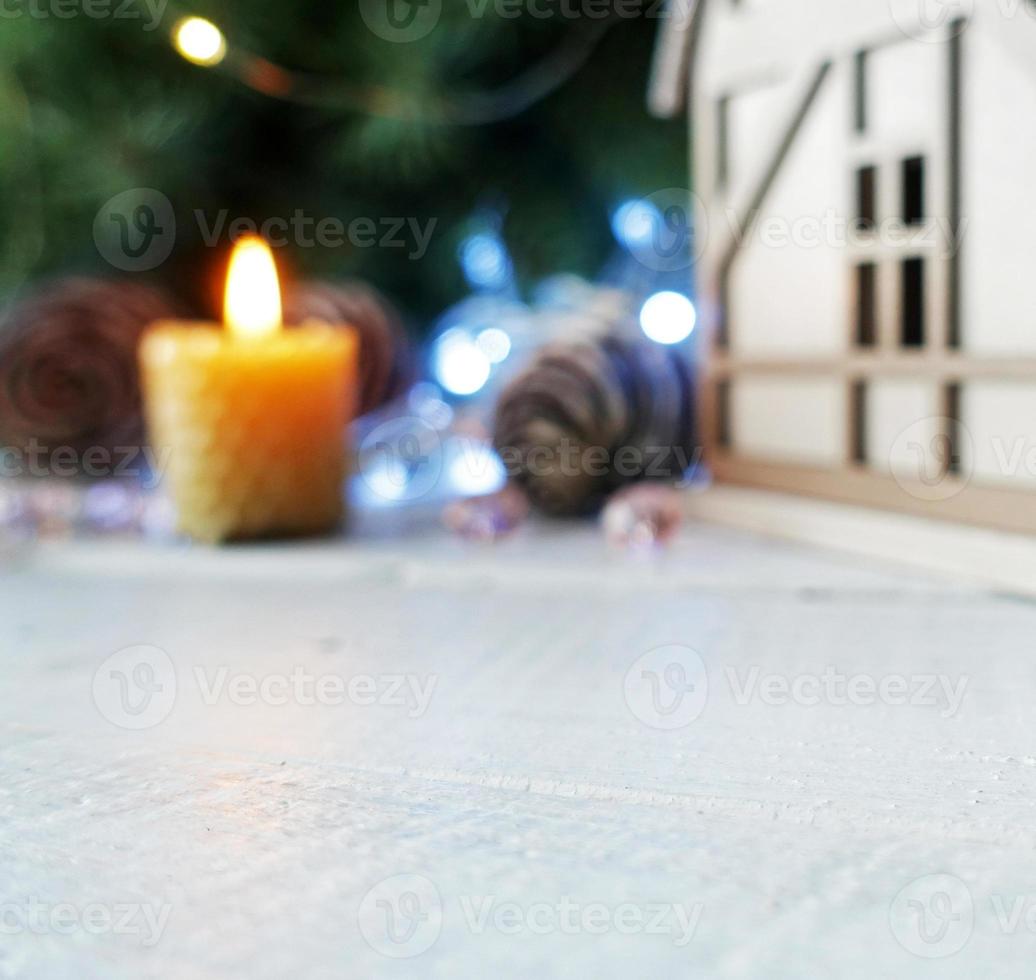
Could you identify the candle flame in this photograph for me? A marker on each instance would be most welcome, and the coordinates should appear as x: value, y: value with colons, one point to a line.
x: 252, y: 303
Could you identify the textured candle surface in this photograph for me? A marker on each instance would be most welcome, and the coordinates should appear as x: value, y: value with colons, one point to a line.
x: 250, y: 434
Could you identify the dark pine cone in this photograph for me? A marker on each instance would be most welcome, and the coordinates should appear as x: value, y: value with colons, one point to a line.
x: 585, y: 418
x: 386, y: 359
x: 68, y: 365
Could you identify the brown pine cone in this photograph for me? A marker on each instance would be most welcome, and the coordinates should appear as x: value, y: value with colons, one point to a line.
x: 68, y: 365
x: 585, y: 418
x: 386, y: 362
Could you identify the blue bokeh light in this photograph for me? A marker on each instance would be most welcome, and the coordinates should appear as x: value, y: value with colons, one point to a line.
x: 668, y: 317
x: 495, y: 344
x: 485, y: 261
x: 634, y: 222
x: 476, y: 469
x: 460, y: 366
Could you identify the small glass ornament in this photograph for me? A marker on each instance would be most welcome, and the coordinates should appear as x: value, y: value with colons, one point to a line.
x: 55, y: 507
x: 157, y: 518
x: 642, y: 516
x: 17, y: 528
x: 490, y: 517
x: 111, y: 506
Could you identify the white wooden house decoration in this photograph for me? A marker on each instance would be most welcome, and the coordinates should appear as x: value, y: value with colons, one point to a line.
x: 866, y: 172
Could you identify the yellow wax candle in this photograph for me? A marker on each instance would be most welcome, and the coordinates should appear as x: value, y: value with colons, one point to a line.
x: 249, y: 423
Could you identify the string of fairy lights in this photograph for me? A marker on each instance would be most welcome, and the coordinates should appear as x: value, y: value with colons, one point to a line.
x: 460, y: 359
x: 203, y: 43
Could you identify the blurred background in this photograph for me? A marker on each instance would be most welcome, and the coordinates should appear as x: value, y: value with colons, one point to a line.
x: 463, y: 182
x: 506, y: 136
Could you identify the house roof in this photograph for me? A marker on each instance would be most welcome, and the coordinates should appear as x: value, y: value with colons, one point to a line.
x: 787, y: 33
x: 670, y: 71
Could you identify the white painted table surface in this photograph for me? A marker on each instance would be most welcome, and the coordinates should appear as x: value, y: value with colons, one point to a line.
x: 528, y: 782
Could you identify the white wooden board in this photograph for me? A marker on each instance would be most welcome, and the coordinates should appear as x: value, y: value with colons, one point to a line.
x: 535, y: 780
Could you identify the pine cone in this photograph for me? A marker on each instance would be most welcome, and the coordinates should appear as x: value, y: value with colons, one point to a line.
x: 68, y: 365
x: 586, y: 418
x: 386, y: 362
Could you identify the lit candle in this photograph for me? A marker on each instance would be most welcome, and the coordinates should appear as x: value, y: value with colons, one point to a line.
x: 249, y: 422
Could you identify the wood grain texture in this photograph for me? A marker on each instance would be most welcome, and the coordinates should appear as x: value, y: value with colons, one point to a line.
x: 528, y: 778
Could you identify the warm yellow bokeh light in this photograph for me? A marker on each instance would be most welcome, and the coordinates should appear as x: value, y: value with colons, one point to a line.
x: 199, y: 41
x: 252, y: 303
